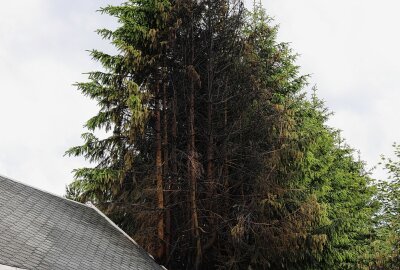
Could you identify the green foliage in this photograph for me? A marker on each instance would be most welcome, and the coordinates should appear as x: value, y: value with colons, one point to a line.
x: 213, y: 157
x: 385, y: 246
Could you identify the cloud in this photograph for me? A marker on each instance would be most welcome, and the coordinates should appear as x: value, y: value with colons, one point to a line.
x: 350, y: 47
x: 43, y: 47
x: 351, y: 50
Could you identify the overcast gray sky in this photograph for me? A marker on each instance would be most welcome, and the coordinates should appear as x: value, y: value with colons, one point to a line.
x: 349, y: 46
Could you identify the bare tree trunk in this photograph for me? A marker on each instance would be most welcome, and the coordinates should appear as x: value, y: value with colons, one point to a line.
x: 193, y: 165
x: 166, y: 172
x: 174, y: 133
x: 173, y: 174
x: 193, y: 171
x: 225, y: 149
x: 210, y: 140
x: 159, y: 177
x: 210, y: 179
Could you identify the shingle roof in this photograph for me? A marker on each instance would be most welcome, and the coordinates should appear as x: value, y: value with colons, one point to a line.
x: 42, y: 231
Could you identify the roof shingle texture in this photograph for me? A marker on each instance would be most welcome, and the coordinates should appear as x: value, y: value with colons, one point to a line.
x: 41, y: 231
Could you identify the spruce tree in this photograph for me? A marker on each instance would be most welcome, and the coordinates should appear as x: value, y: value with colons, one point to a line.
x: 384, y: 250
x: 213, y: 158
x: 128, y: 94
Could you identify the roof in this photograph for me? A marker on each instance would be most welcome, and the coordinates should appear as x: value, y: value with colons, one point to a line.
x: 42, y: 231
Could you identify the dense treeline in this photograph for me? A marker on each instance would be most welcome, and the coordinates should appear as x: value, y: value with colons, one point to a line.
x: 214, y: 158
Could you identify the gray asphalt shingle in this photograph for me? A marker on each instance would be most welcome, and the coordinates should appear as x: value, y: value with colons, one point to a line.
x: 42, y: 231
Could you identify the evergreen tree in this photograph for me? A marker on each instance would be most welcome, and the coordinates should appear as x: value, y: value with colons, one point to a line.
x: 213, y: 157
x: 385, y: 246
x: 128, y: 94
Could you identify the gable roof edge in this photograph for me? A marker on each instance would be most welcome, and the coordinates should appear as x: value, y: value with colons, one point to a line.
x: 114, y: 225
x: 19, y: 187
x: 120, y: 230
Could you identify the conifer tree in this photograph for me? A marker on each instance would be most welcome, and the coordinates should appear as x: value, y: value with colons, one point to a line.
x: 128, y: 94
x: 384, y: 250
x: 213, y: 157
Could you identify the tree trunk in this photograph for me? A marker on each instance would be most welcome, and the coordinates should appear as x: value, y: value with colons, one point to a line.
x: 173, y: 174
x: 193, y: 169
x: 193, y: 165
x: 225, y: 151
x: 159, y: 177
x: 210, y: 141
x: 166, y: 172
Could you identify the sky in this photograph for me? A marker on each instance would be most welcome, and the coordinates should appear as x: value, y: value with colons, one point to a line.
x: 350, y: 48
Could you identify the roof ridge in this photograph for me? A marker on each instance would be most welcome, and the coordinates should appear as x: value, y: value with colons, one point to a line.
x: 44, y: 191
